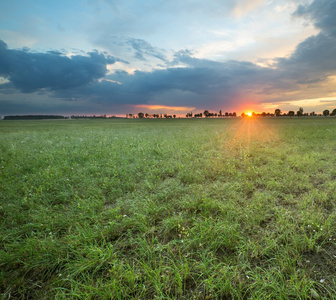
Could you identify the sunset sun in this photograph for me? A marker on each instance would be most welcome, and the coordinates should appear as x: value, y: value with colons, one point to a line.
x: 249, y: 114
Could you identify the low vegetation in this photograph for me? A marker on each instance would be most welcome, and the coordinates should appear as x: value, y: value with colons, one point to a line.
x: 168, y: 209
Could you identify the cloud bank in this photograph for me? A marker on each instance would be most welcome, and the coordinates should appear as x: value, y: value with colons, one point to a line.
x: 30, y: 72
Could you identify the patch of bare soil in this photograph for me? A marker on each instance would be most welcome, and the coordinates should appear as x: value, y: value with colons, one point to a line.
x: 322, y: 267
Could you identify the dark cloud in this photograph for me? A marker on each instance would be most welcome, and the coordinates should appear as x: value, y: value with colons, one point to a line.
x: 322, y: 13
x: 201, y: 83
x: 314, y: 59
x: 29, y: 71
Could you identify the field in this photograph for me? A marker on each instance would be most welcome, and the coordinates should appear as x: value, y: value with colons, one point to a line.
x: 168, y: 209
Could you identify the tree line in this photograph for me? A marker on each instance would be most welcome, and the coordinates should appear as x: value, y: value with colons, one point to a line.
x: 291, y: 113
x: 33, y: 117
x: 92, y: 117
x: 141, y: 115
x: 208, y: 114
x: 55, y: 117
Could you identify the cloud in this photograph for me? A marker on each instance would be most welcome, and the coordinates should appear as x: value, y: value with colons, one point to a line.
x: 143, y: 48
x: 313, y: 59
x: 144, y: 53
x: 322, y: 13
x: 200, y: 83
x: 29, y: 71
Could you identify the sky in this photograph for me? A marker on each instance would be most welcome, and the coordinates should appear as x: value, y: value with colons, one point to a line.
x: 166, y: 56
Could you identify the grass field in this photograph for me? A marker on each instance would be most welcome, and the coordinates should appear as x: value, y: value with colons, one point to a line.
x: 168, y: 209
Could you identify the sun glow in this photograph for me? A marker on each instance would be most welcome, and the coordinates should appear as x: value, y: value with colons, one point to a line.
x: 249, y: 114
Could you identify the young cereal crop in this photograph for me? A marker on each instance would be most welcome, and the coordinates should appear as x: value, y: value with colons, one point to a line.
x: 168, y: 209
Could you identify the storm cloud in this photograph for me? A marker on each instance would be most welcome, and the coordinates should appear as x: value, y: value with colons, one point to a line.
x: 314, y: 59
x: 30, y: 71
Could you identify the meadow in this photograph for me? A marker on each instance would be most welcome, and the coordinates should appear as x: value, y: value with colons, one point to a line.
x: 168, y: 209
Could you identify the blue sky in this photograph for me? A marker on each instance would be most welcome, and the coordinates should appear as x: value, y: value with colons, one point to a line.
x: 126, y: 56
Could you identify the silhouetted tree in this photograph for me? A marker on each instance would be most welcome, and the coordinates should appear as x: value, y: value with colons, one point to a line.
x: 333, y: 113
x: 326, y: 112
x: 234, y: 114
x: 277, y: 112
x: 291, y: 113
x: 300, y: 112
x: 140, y: 115
x: 206, y: 113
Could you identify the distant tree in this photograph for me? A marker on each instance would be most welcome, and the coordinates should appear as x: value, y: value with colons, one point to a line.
x: 326, y: 113
x: 174, y: 116
x: 226, y: 114
x: 234, y: 114
x: 333, y: 113
x: 291, y: 113
x: 243, y: 115
x: 300, y: 112
x: 220, y: 113
x: 277, y: 112
x: 140, y: 115
x: 206, y: 113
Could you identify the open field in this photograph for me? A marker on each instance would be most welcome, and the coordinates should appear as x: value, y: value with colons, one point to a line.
x: 168, y: 209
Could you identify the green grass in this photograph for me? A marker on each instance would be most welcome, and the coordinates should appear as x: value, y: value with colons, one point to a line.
x: 168, y: 209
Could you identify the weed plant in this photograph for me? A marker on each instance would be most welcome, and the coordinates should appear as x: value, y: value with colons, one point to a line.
x: 168, y: 209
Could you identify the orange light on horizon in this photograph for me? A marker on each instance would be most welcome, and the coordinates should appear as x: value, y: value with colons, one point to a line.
x: 164, y: 107
x: 249, y: 114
